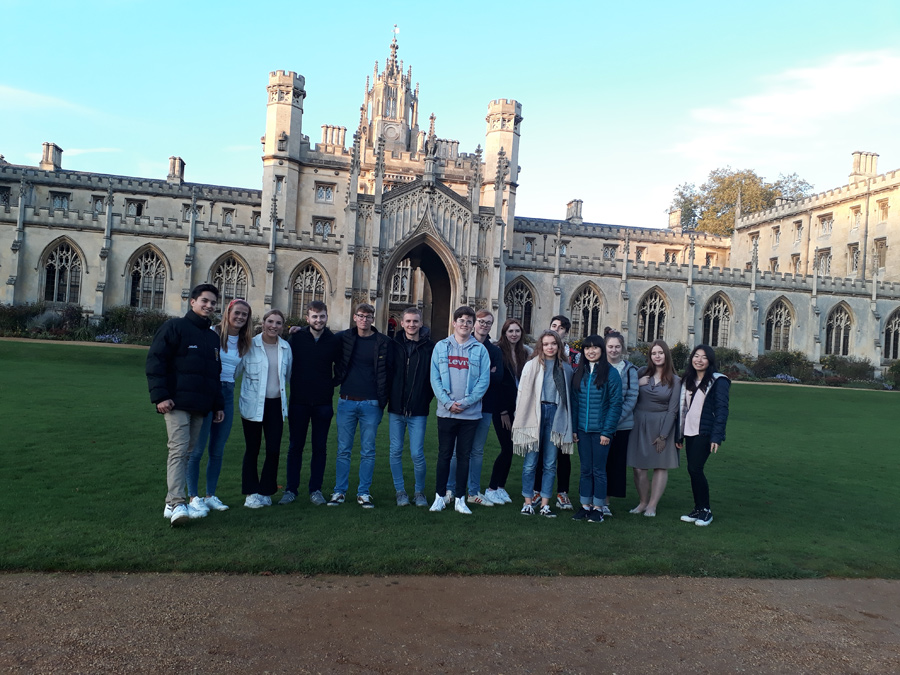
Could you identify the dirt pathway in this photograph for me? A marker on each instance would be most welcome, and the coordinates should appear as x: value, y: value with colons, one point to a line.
x: 223, y: 624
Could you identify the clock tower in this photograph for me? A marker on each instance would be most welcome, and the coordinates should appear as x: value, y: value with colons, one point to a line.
x: 392, y: 106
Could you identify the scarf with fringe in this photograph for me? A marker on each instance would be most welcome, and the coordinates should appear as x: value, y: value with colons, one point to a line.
x: 526, y: 430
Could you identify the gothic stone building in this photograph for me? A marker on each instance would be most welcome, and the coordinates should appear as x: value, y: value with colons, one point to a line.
x: 395, y: 215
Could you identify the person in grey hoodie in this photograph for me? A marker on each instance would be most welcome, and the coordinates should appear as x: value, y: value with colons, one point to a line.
x: 460, y: 374
x: 617, y: 459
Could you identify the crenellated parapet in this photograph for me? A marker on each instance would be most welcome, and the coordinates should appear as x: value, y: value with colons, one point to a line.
x: 826, y: 199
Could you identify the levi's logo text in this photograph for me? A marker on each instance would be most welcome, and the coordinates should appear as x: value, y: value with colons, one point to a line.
x: 461, y: 362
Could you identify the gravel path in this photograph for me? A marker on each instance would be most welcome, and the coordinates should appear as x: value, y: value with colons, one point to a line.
x: 223, y: 624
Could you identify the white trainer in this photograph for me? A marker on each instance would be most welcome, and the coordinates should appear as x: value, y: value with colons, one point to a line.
x: 494, y: 497
x: 439, y: 503
x: 167, y: 512
x: 461, y: 506
x: 180, y: 515
x: 505, y: 495
x: 215, y: 503
x: 198, y: 505
x: 196, y: 513
x: 479, y: 499
x: 254, y: 501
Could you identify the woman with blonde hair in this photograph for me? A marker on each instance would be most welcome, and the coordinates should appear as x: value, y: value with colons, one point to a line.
x: 263, y: 406
x: 651, y: 444
x: 543, y: 423
x: 234, y: 342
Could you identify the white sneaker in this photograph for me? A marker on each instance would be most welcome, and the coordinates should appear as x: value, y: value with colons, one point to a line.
x: 196, y: 513
x: 180, y: 515
x: 448, y: 498
x: 265, y: 499
x: 215, y: 503
x: 494, y: 497
x: 167, y: 512
x: 461, y: 507
x: 254, y: 501
x: 198, y: 505
x: 439, y: 503
x: 479, y: 499
x: 505, y: 495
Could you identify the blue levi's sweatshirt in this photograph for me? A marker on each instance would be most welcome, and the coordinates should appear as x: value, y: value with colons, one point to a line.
x: 460, y: 372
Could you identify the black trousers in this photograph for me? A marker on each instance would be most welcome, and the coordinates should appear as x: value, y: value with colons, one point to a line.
x: 272, y: 426
x: 503, y: 463
x: 697, y: 450
x: 300, y: 417
x: 459, y: 434
x: 616, y: 463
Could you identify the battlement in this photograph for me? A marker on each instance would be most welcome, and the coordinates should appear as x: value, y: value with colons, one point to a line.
x: 617, y: 232
x: 286, y: 76
x: 505, y: 105
x: 824, y: 199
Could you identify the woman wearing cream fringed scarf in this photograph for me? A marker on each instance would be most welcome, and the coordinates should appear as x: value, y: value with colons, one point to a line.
x: 543, y: 417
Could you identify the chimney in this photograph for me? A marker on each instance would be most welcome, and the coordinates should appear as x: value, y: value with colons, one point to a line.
x: 865, y: 165
x: 573, y: 212
x: 675, y: 219
x: 176, y: 170
x: 52, y: 157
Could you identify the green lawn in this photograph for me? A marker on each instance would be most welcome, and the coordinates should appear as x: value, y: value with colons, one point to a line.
x: 805, y: 486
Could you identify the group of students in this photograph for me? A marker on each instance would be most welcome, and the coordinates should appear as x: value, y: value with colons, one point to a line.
x: 541, y: 408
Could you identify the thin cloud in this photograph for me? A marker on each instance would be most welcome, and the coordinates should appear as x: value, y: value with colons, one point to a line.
x: 22, y: 100
x: 795, y: 105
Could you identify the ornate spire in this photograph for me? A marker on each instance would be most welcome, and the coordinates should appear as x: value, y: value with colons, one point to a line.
x: 391, y: 67
x: 431, y: 119
x: 502, y: 170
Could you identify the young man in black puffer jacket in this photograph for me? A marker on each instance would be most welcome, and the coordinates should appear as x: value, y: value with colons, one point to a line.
x: 410, y: 403
x: 183, y: 371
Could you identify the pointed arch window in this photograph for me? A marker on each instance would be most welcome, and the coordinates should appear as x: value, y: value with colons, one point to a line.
x: 778, y: 328
x: 837, y: 332
x: 520, y: 305
x: 716, y: 322
x: 400, y: 282
x: 63, y: 275
x: 309, y: 285
x: 148, y: 281
x: 652, y: 318
x: 892, y: 337
x: 586, y: 311
x: 230, y: 278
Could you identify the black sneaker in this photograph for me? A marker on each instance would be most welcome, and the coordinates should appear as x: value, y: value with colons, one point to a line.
x: 595, y: 516
x: 704, y: 518
x: 581, y: 514
x: 691, y: 517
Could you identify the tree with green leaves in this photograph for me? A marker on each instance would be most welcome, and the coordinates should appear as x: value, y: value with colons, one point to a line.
x: 711, y: 207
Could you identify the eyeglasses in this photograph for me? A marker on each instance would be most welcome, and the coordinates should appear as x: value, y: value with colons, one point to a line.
x: 483, y: 322
x: 365, y: 317
x: 463, y: 321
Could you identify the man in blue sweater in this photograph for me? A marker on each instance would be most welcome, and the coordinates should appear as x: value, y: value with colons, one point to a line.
x: 460, y: 374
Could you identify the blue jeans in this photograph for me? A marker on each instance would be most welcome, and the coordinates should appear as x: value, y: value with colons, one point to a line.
x: 217, y: 436
x: 368, y: 415
x: 398, y: 426
x: 476, y: 458
x: 549, y: 452
x: 592, y: 486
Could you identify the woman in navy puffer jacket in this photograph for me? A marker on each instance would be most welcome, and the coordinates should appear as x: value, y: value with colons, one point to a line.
x: 596, y: 408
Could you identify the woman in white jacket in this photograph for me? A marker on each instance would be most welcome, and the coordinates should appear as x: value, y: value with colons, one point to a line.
x: 263, y: 405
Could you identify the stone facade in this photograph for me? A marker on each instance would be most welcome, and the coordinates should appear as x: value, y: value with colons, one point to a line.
x: 395, y: 215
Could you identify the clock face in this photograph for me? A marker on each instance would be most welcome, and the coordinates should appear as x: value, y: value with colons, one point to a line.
x: 391, y: 132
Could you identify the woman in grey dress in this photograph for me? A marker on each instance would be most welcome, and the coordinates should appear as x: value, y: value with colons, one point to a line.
x: 651, y: 444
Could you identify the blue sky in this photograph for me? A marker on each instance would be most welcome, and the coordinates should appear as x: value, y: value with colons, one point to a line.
x: 622, y: 101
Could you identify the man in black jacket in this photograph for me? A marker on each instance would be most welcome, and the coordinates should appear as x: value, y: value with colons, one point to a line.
x: 183, y: 371
x: 316, y: 352
x: 367, y: 364
x: 410, y: 403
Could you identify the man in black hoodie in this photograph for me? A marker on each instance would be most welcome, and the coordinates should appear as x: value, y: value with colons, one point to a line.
x: 183, y: 371
x: 410, y: 403
x: 316, y: 352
